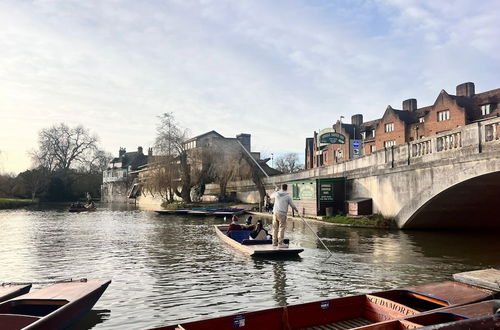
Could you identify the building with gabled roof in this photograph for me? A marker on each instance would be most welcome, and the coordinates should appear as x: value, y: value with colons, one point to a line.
x: 398, y: 126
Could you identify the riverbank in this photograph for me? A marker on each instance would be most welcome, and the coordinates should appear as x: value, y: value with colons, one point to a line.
x: 372, y: 221
x: 11, y: 203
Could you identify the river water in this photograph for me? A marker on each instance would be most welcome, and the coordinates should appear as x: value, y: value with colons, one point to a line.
x: 166, y: 269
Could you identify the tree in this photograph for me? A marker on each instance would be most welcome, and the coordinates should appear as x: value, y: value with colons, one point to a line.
x: 170, y: 138
x: 288, y: 163
x: 60, y: 147
x: 67, y: 164
x: 34, y: 181
x: 225, y: 163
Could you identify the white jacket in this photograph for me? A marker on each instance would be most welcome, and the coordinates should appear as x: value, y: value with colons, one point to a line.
x: 281, y: 201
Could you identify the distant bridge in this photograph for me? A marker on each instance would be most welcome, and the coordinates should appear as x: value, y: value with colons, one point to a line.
x: 449, y: 180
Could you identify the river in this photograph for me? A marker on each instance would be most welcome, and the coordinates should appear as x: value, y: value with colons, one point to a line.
x: 166, y: 268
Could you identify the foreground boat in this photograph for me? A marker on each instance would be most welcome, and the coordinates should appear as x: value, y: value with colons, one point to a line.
x: 394, y: 309
x: 54, y: 307
x: 213, y: 211
x: 11, y: 291
x: 238, y: 239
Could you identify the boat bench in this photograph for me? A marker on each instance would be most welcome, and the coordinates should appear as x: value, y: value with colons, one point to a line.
x: 261, y: 241
x: 239, y: 235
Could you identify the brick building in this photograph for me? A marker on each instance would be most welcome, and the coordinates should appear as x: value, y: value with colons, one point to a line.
x: 346, y: 141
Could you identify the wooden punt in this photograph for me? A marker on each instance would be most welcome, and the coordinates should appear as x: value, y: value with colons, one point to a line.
x: 228, y: 212
x: 11, y: 291
x: 366, y: 311
x: 54, y: 307
x: 165, y: 211
x: 450, y: 315
x: 260, y: 248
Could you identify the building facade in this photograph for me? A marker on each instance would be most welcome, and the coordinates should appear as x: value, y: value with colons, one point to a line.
x: 120, y: 174
x: 398, y: 126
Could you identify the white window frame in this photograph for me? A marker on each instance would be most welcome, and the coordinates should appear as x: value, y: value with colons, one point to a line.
x: 485, y: 109
x: 443, y: 115
x: 421, y: 119
x: 373, y: 148
x: 389, y: 127
x: 389, y: 143
x: 373, y: 133
x: 363, y: 135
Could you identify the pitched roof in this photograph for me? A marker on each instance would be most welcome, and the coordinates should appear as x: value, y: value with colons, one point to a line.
x: 203, y: 135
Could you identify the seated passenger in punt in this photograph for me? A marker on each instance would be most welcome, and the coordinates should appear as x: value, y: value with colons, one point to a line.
x: 234, y: 225
x: 248, y: 224
x: 259, y: 233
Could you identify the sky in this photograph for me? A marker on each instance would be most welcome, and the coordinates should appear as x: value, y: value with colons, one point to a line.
x: 278, y: 70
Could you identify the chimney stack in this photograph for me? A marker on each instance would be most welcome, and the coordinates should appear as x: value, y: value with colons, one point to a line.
x: 139, y: 150
x: 466, y: 89
x: 410, y: 105
x: 121, y: 152
x: 150, y: 152
x: 244, y: 140
x: 357, y: 120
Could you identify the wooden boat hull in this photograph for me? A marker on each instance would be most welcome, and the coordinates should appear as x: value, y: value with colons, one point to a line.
x: 256, y: 250
x: 382, y: 310
x: 12, y: 291
x: 84, y: 209
x: 55, y: 307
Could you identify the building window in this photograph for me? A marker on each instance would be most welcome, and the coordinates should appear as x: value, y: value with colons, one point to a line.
x: 485, y: 109
x: 373, y: 148
x: 388, y: 144
x: 373, y: 133
x: 444, y: 115
x: 363, y: 135
x: 421, y: 119
x: 389, y: 127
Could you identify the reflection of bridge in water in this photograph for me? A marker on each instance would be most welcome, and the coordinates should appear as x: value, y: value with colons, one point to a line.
x: 449, y: 180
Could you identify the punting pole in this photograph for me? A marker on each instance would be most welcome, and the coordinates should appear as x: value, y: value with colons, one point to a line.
x: 308, y: 226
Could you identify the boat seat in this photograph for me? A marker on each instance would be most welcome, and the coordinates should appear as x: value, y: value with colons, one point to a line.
x: 239, y: 235
x: 16, y: 321
x: 261, y: 241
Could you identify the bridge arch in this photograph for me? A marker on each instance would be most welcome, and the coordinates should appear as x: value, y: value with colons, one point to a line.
x: 471, y: 203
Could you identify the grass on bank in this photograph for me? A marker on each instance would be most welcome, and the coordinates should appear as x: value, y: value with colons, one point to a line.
x: 376, y: 220
x: 10, y: 203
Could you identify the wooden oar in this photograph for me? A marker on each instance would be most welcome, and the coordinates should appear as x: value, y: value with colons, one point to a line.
x: 301, y: 217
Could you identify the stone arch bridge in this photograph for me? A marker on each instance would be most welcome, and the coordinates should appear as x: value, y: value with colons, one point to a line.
x: 450, y: 180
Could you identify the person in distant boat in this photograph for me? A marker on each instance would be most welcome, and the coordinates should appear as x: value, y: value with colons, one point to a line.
x: 281, y: 202
x: 248, y: 224
x: 234, y: 224
x: 268, y: 206
x: 259, y: 233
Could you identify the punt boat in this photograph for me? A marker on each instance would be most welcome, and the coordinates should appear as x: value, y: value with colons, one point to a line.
x: 82, y: 208
x: 11, y: 291
x: 165, y: 211
x: 54, y: 307
x: 239, y: 239
x: 228, y: 212
x: 367, y: 311
x: 451, y: 315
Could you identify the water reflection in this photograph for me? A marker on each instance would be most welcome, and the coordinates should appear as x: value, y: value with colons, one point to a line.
x: 167, y: 269
x: 279, y: 283
x: 91, y: 319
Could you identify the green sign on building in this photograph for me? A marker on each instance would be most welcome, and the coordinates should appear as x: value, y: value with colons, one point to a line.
x: 326, y: 191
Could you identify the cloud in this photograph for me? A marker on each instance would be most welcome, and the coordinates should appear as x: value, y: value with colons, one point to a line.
x: 275, y: 69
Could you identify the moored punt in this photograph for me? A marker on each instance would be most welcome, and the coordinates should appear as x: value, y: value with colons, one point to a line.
x: 165, y: 211
x: 54, y: 307
x: 10, y: 291
x: 228, y: 212
x: 441, y: 317
x: 355, y: 311
x: 256, y: 248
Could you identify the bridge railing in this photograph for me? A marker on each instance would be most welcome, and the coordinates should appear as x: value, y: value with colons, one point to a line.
x: 473, y: 138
